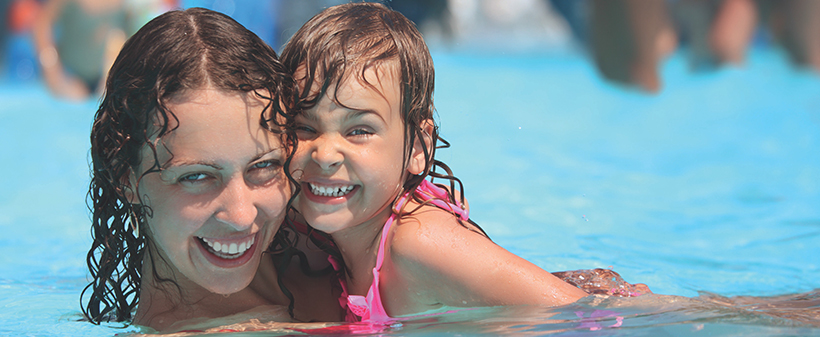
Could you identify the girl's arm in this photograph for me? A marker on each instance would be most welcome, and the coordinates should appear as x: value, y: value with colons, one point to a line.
x: 437, y: 260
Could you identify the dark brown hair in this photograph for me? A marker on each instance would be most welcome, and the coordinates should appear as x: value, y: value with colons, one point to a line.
x: 174, y: 52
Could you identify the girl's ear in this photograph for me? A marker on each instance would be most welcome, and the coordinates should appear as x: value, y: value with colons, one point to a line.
x: 417, y: 158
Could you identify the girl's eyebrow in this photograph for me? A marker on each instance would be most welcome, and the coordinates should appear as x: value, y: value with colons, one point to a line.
x: 357, y: 113
x: 310, y: 115
x: 350, y: 113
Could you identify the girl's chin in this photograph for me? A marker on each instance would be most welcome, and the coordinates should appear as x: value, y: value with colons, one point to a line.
x: 327, y: 225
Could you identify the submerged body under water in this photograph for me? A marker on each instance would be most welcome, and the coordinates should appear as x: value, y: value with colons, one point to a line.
x: 707, y: 193
x: 650, y: 315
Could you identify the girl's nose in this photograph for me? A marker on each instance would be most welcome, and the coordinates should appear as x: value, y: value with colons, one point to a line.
x: 326, y: 152
x: 237, y: 205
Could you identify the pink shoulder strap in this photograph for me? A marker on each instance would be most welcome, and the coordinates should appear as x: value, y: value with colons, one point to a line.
x: 435, y: 195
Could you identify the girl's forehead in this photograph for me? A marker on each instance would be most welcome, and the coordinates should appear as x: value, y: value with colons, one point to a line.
x: 376, y: 76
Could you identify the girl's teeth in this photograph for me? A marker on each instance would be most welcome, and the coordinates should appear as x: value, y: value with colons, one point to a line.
x: 228, y: 250
x: 334, y: 191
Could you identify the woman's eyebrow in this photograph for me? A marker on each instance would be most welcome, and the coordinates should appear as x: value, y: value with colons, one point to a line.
x: 183, y: 162
x: 262, y: 154
x: 180, y: 163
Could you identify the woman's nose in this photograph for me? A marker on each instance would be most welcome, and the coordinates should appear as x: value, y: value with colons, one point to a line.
x: 326, y: 152
x: 237, y: 205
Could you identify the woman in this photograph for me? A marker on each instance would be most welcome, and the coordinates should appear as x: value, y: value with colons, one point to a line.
x: 188, y: 191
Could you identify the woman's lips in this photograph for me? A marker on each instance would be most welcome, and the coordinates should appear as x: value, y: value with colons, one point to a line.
x: 228, y: 253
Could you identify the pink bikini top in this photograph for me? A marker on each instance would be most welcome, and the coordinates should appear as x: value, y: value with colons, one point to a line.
x: 369, y: 308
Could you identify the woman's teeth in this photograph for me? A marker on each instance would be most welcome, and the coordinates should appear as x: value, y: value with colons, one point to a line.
x: 334, y: 191
x: 228, y: 250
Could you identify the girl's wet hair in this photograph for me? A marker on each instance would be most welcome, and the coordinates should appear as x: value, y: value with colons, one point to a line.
x: 343, y: 42
x: 175, y: 52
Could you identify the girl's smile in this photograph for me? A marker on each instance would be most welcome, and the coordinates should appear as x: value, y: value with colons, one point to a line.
x: 328, y: 194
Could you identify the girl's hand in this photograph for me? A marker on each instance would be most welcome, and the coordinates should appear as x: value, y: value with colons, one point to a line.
x: 603, y: 282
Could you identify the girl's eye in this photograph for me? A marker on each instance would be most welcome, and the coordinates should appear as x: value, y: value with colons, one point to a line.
x: 304, y: 132
x: 303, y: 128
x: 360, y: 132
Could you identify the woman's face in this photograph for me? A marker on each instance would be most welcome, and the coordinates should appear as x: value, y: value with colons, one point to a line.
x: 221, y: 194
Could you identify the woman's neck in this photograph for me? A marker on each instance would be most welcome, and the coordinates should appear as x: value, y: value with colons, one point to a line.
x: 171, y: 305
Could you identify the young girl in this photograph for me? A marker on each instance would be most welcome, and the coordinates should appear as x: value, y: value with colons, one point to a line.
x: 367, y: 140
x: 188, y: 189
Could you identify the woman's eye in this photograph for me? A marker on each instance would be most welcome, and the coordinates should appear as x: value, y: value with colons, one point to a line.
x: 264, y: 171
x: 266, y: 164
x: 193, y: 178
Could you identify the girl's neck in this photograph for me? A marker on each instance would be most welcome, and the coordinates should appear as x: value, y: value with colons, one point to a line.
x: 359, y: 246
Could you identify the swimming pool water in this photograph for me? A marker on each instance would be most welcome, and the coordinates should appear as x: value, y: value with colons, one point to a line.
x: 713, y: 185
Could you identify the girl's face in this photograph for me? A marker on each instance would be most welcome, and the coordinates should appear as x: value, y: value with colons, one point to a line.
x: 350, y: 153
x: 221, y: 194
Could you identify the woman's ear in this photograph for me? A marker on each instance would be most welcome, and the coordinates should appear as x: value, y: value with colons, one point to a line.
x: 417, y: 157
x: 129, y: 183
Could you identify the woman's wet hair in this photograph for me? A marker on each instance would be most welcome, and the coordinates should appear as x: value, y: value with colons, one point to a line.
x: 342, y: 43
x: 173, y: 53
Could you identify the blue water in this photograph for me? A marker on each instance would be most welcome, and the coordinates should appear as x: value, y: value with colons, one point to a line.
x: 713, y: 185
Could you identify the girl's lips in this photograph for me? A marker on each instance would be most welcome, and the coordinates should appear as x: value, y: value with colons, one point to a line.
x: 328, y: 194
x: 229, y: 253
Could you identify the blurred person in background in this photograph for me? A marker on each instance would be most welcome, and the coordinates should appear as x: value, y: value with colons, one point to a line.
x: 795, y: 25
x: 76, y: 42
x: 630, y: 38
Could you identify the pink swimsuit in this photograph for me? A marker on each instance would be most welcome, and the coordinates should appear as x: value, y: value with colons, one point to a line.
x: 370, y: 308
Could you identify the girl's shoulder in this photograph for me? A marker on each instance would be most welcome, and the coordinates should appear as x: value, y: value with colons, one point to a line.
x: 433, y: 237
x: 430, y: 247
